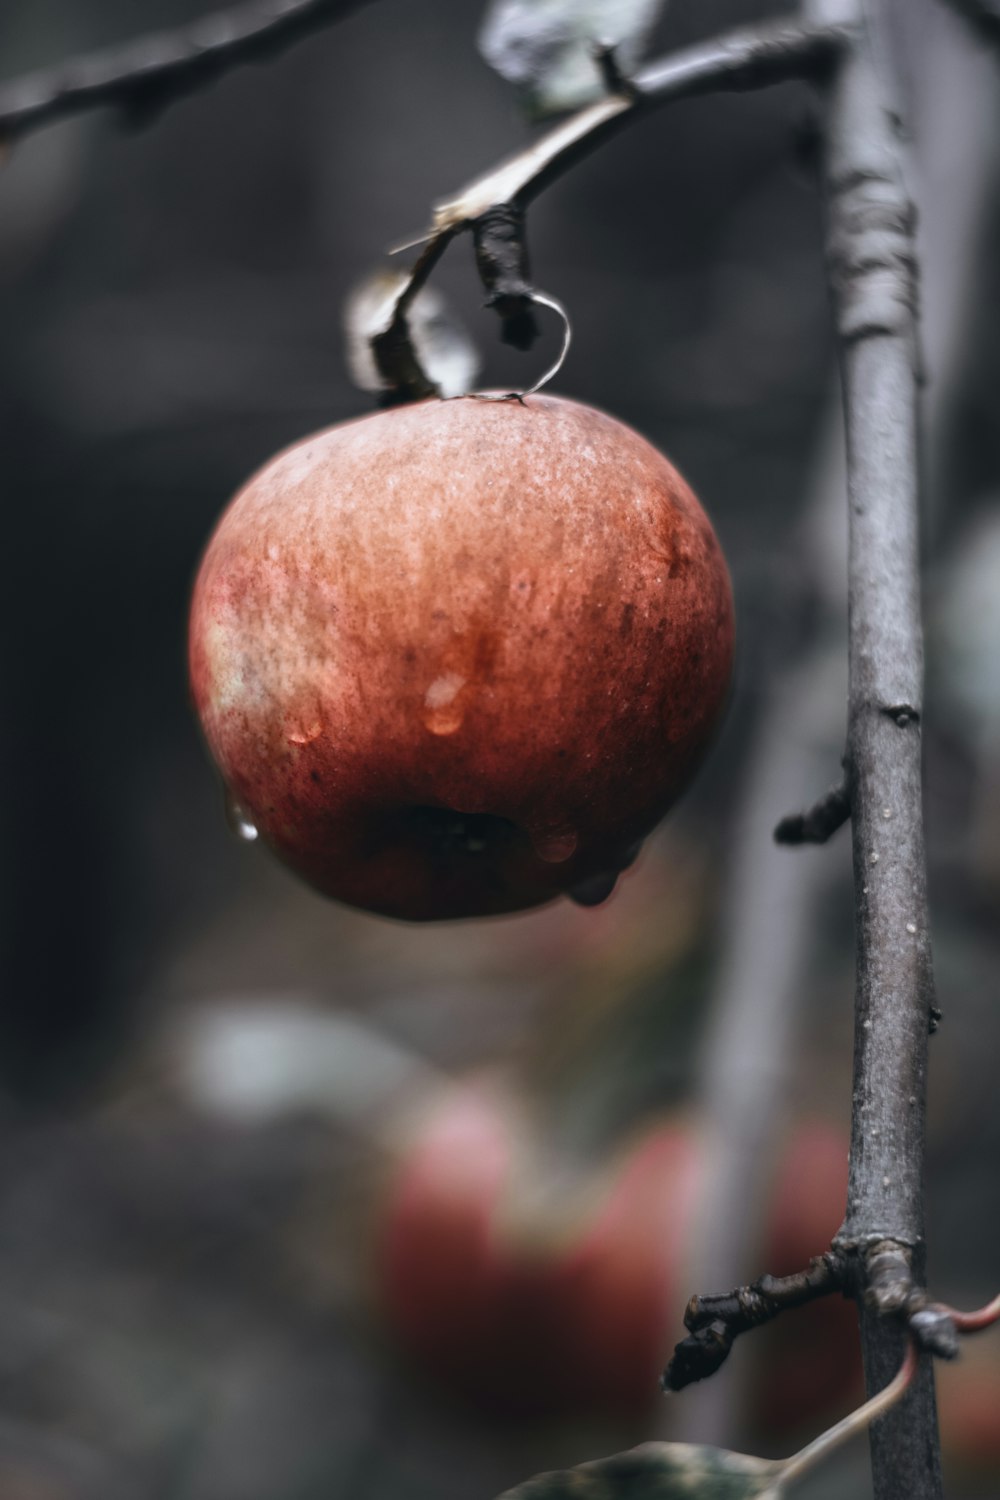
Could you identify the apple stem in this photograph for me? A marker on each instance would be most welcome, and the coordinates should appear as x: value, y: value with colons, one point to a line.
x: 540, y: 299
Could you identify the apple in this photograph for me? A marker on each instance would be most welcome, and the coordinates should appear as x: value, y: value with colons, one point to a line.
x: 810, y: 1359
x: 524, y: 1295
x: 520, y: 1294
x: 460, y: 657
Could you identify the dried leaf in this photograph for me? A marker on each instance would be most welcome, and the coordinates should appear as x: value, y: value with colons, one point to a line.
x: 546, y: 47
x: 445, y: 352
x: 659, y: 1471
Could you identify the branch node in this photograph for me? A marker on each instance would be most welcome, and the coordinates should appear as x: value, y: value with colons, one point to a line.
x: 890, y: 1284
x: 605, y: 55
x: 902, y: 714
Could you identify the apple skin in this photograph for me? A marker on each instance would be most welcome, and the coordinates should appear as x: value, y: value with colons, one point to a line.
x: 456, y: 658
x: 526, y: 1302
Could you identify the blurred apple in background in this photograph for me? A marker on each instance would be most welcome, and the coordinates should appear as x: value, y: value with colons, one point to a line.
x: 525, y: 1294
x: 811, y: 1356
x: 527, y: 1289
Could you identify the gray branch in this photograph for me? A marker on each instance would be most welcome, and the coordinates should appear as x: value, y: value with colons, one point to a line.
x: 144, y: 76
x: 750, y: 58
x: 819, y: 822
x: 744, y: 59
x: 873, y: 274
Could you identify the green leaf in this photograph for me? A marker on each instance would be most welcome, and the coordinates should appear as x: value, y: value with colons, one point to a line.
x: 546, y: 47
x: 658, y: 1471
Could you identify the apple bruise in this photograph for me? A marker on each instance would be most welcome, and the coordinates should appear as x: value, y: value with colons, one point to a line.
x: 456, y: 658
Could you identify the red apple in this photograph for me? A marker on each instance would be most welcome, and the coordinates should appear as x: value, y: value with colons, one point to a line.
x: 522, y: 1297
x: 459, y: 657
x: 522, y: 1300
x: 811, y: 1358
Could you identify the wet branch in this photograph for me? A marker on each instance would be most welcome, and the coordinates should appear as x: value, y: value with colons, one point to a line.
x: 142, y: 77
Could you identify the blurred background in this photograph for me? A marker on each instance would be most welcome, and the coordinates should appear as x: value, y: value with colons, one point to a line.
x: 297, y: 1202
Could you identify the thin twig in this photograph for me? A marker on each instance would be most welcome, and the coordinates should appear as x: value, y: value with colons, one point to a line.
x: 715, y: 1322
x: 144, y: 76
x: 819, y: 823
x: 744, y: 59
x: 873, y: 274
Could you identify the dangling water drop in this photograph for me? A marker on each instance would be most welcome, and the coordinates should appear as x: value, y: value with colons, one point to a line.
x: 554, y: 845
x: 595, y: 890
x: 239, y: 821
x: 444, y: 708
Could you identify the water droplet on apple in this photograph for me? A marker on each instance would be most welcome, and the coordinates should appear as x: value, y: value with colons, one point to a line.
x: 555, y: 845
x: 443, y: 709
x: 304, y: 734
x: 595, y: 890
x: 239, y: 821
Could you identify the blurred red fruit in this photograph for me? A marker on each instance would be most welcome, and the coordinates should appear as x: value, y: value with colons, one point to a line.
x: 530, y: 1297
x: 813, y: 1355
x: 524, y: 1298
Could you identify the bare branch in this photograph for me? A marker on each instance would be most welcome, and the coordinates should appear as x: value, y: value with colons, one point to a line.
x: 873, y: 274
x: 144, y: 76
x: 744, y: 59
x: 748, y: 58
x: 715, y: 1322
x: 820, y: 822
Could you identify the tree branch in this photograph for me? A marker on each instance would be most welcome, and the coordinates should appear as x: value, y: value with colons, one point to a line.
x: 873, y: 275
x: 819, y: 823
x: 144, y: 76
x: 715, y: 1322
x: 744, y: 59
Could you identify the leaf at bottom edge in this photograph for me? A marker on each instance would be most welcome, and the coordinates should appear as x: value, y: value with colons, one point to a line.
x: 658, y: 1471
